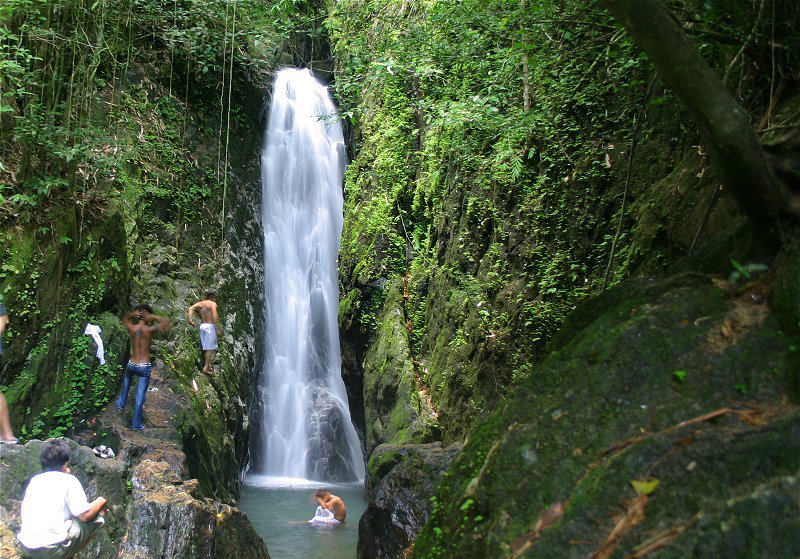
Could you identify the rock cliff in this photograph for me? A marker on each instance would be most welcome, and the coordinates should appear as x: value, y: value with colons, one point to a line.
x: 511, y: 162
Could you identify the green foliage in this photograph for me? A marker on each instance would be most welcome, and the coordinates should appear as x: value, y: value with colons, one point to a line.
x: 459, y: 184
x: 113, y: 141
x: 80, y: 118
x: 77, y: 388
x: 745, y: 271
x: 492, y: 144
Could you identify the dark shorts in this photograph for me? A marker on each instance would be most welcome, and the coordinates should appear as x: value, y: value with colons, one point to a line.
x: 79, y: 533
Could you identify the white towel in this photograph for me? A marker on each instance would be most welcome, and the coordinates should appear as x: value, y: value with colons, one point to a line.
x: 93, y: 330
x: 323, y: 516
x: 208, y: 336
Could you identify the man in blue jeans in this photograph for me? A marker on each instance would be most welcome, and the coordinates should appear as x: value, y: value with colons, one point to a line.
x: 141, y: 324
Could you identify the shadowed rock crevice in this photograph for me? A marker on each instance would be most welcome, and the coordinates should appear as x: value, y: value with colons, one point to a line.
x: 402, y: 482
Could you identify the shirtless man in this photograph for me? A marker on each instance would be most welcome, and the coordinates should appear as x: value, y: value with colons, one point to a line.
x: 207, y: 309
x: 328, y: 500
x: 141, y: 324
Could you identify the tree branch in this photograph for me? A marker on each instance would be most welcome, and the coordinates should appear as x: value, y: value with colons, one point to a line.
x: 734, y: 149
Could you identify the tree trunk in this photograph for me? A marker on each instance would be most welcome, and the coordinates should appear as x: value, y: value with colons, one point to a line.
x: 734, y: 150
x: 526, y: 73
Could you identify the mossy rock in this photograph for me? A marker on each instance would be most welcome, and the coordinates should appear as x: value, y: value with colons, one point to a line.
x: 392, y: 406
x: 614, y: 402
x: 402, y: 479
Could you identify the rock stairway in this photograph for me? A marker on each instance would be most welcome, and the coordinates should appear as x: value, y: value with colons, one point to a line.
x: 156, y: 511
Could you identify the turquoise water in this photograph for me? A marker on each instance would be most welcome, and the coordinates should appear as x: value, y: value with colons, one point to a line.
x: 279, y: 509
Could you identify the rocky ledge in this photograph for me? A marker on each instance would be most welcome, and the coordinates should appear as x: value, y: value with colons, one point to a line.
x: 155, y: 511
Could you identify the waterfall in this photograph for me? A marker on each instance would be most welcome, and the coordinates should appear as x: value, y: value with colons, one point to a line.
x: 307, y: 432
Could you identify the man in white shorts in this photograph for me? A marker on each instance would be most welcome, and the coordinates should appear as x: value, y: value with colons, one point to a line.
x: 207, y: 309
x: 57, y: 520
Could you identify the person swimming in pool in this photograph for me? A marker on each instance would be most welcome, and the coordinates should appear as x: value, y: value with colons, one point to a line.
x: 331, y: 509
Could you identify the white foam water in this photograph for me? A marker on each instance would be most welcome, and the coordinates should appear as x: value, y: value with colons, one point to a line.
x: 307, y: 432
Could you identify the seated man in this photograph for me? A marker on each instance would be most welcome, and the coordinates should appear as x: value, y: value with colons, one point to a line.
x: 57, y: 520
x: 331, y: 509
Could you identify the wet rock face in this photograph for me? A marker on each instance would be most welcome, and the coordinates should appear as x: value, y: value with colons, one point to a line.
x: 172, y: 523
x: 395, y: 411
x: 683, y: 383
x: 327, y: 457
x: 402, y: 480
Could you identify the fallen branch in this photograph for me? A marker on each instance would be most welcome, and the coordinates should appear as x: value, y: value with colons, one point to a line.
x: 699, y: 419
x: 654, y: 544
x: 524, y: 542
x: 634, y: 514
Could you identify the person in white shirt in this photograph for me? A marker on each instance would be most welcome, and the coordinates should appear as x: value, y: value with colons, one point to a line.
x: 57, y: 520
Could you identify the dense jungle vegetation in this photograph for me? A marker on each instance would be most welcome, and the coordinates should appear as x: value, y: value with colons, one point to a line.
x: 116, y: 150
x: 545, y: 115
x: 514, y: 158
x: 508, y: 161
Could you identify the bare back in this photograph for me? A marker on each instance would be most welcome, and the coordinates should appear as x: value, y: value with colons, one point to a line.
x: 141, y: 339
x: 207, y: 309
x: 142, y: 331
x: 335, y: 504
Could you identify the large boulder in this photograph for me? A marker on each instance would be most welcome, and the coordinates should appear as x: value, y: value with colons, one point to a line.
x: 402, y: 479
x: 328, y: 455
x: 166, y: 519
x: 661, y: 420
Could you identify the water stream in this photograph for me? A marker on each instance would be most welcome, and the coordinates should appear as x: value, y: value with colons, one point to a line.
x: 307, y: 440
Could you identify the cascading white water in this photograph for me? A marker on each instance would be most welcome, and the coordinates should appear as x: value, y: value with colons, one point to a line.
x: 307, y: 431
